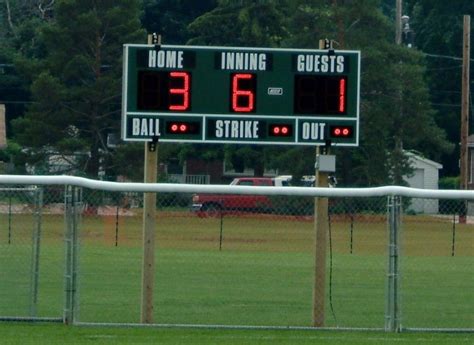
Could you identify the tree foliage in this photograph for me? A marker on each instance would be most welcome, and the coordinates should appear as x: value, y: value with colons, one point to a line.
x: 170, y: 18
x: 241, y: 23
x: 65, y: 56
x: 438, y: 29
x: 76, y: 85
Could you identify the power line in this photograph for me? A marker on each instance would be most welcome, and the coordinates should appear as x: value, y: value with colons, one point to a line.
x: 444, y: 56
x: 446, y: 91
x: 446, y: 105
x: 444, y: 68
x: 17, y: 102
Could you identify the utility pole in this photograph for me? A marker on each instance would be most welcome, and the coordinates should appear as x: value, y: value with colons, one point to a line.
x: 465, y: 113
x: 398, y: 22
x: 398, y: 149
x: 3, y: 132
x: 465, y: 102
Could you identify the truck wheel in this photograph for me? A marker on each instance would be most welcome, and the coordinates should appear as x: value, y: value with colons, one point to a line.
x: 212, y: 210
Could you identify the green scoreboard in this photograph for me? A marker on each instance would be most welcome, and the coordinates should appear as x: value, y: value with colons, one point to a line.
x: 240, y: 95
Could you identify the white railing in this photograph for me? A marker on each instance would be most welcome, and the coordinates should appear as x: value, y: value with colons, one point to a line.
x: 224, y: 189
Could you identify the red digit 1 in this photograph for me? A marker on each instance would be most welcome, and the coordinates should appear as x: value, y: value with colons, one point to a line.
x: 182, y: 91
x: 342, y: 95
x: 242, y: 100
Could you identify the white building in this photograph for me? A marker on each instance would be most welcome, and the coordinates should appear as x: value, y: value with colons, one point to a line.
x: 425, y: 176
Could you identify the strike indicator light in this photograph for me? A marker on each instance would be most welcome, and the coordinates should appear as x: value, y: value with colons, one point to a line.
x: 280, y: 130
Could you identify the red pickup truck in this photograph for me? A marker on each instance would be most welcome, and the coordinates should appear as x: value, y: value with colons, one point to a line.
x: 215, y: 204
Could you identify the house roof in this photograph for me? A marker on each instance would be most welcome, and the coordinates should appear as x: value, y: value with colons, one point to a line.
x: 417, y: 158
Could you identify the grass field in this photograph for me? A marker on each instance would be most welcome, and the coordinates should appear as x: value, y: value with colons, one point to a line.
x: 261, y: 276
x: 21, y: 334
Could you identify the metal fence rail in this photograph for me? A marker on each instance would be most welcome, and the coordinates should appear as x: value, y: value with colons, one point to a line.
x: 398, y: 258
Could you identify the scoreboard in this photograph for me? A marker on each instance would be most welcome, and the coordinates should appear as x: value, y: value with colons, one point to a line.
x: 240, y: 95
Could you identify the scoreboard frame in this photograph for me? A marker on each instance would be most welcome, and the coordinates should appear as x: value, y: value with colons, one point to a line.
x: 240, y: 95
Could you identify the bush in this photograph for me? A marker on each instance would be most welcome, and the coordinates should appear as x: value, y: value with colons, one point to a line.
x: 450, y: 182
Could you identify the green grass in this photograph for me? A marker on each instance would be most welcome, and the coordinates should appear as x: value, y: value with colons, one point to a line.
x: 38, y: 334
x: 262, y: 275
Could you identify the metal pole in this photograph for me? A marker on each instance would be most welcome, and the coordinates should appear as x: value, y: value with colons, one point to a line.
x: 71, y: 237
x: 35, y: 261
x: 392, y: 313
x: 68, y: 244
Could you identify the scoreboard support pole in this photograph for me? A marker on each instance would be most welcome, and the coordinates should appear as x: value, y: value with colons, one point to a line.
x: 149, y: 226
x: 321, y: 230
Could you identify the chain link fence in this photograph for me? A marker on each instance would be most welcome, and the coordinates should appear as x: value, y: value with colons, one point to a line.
x: 31, y: 252
x: 437, y: 265
x: 248, y: 260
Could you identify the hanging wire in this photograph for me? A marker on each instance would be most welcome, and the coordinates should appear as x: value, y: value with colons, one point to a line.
x: 330, y: 270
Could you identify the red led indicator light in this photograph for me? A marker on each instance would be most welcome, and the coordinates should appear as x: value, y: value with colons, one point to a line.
x: 179, y: 127
x: 341, y: 132
x: 280, y: 130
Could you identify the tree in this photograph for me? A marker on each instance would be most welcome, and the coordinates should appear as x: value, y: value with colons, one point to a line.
x: 20, y: 23
x: 395, y: 113
x: 76, y: 84
x: 171, y: 17
x: 241, y: 23
x: 438, y: 27
x: 395, y: 108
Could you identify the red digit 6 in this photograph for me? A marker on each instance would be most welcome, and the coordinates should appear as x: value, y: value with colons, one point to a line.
x: 242, y: 100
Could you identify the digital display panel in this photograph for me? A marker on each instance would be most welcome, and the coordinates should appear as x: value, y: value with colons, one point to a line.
x: 240, y: 95
x: 164, y: 91
x: 320, y: 94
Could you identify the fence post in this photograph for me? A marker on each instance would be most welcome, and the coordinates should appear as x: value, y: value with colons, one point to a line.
x: 38, y: 204
x: 71, y: 237
x: 392, y: 311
